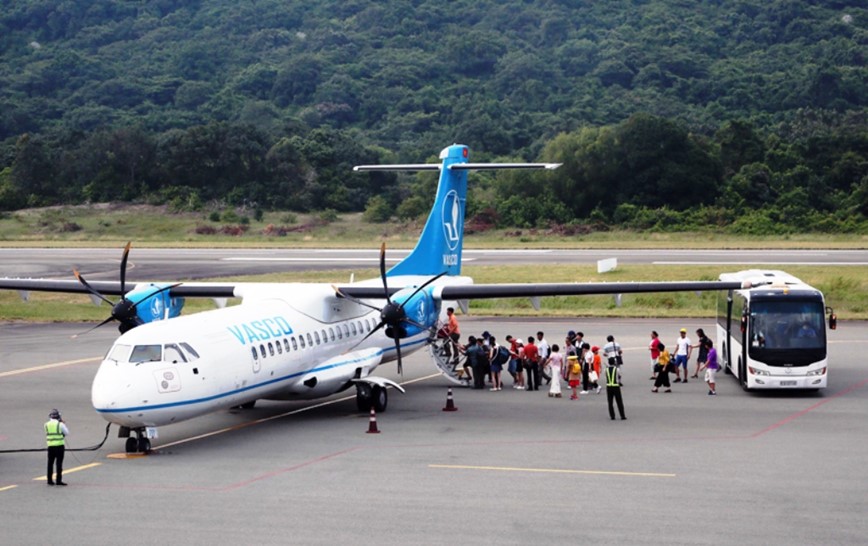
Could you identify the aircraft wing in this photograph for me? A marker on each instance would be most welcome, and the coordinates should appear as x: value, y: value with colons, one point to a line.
x: 534, y: 290
x: 113, y: 288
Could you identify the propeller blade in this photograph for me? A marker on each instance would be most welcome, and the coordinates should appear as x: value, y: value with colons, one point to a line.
x: 354, y: 300
x: 383, y: 271
x: 124, y: 267
x: 90, y: 288
x: 429, y: 281
x: 398, y: 350
x: 103, y: 323
x: 416, y: 324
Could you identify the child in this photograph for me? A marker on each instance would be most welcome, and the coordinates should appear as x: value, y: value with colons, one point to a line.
x: 596, y: 369
x: 662, y: 369
x: 575, y: 375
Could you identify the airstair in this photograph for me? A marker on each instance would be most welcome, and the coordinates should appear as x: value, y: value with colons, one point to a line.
x: 449, y: 360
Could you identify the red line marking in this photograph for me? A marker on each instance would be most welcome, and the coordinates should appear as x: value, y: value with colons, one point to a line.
x: 798, y: 414
x: 267, y: 475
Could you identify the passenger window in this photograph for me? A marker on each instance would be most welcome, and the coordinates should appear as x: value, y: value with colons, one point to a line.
x: 325, y: 338
x: 346, y: 330
x: 262, y: 350
x: 270, y: 349
x: 255, y: 354
x: 331, y: 333
x: 146, y: 353
x: 301, y: 340
x: 340, y: 333
x: 286, y: 344
x: 316, y: 337
x: 309, y: 341
x: 279, y: 347
x: 294, y: 344
x: 353, y: 326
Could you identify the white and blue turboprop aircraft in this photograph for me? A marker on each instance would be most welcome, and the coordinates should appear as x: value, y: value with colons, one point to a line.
x: 294, y: 341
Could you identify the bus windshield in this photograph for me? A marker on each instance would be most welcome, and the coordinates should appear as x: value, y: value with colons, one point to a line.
x: 788, y: 329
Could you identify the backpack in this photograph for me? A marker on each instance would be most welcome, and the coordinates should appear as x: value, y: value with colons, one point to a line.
x: 502, y: 355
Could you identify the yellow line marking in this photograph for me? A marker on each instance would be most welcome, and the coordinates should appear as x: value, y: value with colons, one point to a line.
x: 50, y: 366
x: 265, y: 419
x: 7, y: 488
x: 553, y: 471
x: 70, y: 470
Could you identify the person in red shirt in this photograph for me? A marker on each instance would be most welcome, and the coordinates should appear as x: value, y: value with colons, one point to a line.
x: 531, y: 358
x: 654, y: 347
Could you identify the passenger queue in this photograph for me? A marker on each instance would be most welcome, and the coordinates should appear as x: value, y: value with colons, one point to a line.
x: 532, y: 362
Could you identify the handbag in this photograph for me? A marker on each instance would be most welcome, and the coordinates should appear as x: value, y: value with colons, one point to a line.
x: 618, y: 360
x: 592, y: 376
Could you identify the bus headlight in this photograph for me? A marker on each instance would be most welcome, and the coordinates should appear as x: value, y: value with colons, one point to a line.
x: 821, y: 371
x: 755, y: 371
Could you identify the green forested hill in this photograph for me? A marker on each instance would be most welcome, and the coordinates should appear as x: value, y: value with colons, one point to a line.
x: 738, y: 102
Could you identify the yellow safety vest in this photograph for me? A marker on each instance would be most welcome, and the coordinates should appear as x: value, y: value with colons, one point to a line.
x: 53, y: 437
x: 612, y: 377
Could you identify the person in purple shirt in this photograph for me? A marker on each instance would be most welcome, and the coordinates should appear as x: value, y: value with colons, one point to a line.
x: 711, y: 366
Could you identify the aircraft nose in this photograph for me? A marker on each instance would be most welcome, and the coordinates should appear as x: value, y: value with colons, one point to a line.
x: 108, y: 388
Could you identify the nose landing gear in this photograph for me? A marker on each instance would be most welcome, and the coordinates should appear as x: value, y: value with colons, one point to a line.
x: 138, y: 444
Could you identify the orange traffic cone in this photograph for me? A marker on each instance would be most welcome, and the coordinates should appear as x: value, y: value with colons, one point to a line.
x: 450, y: 404
x: 372, y: 425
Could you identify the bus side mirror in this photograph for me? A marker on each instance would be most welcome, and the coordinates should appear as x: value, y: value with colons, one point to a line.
x: 833, y: 318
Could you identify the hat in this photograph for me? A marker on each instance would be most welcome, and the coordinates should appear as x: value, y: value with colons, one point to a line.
x: 571, y: 333
x: 485, y: 334
x: 595, y: 349
x: 54, y: 414
x: 684, y: 330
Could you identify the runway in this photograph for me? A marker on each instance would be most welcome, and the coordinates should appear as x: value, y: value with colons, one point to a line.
x: 150, y: 264
x: 508, y: 467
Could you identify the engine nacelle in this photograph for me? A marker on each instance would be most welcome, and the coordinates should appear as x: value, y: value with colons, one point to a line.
x: 153, y: 304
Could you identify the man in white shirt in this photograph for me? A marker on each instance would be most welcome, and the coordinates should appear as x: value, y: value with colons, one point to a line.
x: 544, y: 352
x: 682, y: 355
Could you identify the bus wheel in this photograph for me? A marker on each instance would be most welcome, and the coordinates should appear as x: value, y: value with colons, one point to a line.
x: 727, y: 369
x: 742, y: 375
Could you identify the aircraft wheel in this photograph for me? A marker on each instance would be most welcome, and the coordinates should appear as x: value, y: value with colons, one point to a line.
x: 144, y: 445
x: 132, y: 445
x: 364, y: 397
x: 380, y: 399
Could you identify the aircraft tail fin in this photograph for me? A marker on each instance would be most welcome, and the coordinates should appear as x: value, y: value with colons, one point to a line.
x: 440, y: 245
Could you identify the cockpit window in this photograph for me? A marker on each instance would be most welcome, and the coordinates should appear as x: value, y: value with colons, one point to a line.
x: 173, y: 353
x: 119, y: 353
x: 146, y: 353
x: 191, y: 352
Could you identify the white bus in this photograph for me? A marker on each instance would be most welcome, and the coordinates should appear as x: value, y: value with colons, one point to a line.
x: 773, y: 335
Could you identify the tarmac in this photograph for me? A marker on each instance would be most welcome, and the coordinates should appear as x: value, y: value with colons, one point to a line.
x: 508, y: 467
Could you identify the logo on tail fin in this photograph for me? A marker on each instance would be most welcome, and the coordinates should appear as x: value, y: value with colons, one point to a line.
x: 451, y: 214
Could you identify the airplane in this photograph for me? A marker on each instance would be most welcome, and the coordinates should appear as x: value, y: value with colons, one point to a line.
x: 295, y: 341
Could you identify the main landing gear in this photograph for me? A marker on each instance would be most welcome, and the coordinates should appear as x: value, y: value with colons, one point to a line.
x: 371, y: 396
x: 138, y: 444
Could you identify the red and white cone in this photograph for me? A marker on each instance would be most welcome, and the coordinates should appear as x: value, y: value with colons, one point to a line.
x: 372, y: 425
x: 450, y: 404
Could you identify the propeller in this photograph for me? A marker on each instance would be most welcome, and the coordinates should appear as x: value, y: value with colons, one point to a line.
x: 392, y: 315
x: 123, y: 311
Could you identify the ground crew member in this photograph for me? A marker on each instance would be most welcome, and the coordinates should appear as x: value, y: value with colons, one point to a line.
x: 55, y: 434
x: 613, y: 391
